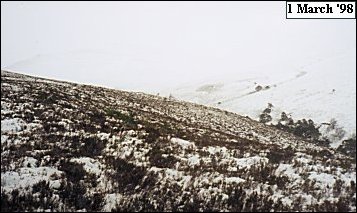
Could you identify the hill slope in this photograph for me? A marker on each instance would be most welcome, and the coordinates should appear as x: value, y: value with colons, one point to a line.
x: 321, y: 90
x: 71, y: 147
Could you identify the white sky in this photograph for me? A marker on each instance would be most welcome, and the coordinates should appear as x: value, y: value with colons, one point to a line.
x: 152, y: 45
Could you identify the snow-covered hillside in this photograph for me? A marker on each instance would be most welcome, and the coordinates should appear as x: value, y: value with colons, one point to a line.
x: 324, y: 88
x: 73, y: 147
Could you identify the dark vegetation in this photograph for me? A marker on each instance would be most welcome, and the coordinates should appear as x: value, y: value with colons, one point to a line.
x: 127, y: 175
x: 128, y: 120
x: 308, y: 130
x: 348, y: 147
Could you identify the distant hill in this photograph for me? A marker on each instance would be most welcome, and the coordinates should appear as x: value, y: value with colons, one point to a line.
x: 322, y: 90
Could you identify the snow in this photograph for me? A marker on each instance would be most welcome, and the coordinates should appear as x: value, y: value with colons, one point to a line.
x: 103, y: 136
x: 4, y: 138
x: 218, y: 179
x: 334, y: 133
x: 173, y: 173
x: 51, y: 82
x: 302, y: 158
x: 11, y: 125
x: 183, y: 143
x: 56, y: 184
x: 90, y: 165
x: 5, y: 107
x: 321, y: 89
x: 288, y: 170
x: 29, y: 161
x: 286, y: 201
x: 111, y: 201
x: 232, y: 169
x: 185, y: 181
x: 249, y: 161
x: 33, y: 126
x: 347, y: 176
x: 323, y: 179
x: 26, y: 177
x: 193, y: 160
x: 223, y: 151
x: 155, y: 169
x: 234, y: 180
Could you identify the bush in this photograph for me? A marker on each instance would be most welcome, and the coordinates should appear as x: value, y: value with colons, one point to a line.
x: 258, y: 88
x: 42, y: 187
x: 127, y: 119
x: 128, y: 175
x: 27, y: 201
x: 153, y: 134
x: 74, y: 171
x: 265, y: 117
x: 92, y: 147
x: 348, y: 147
x: 277, y: 156
x: 302, y: 128
x: 5, y: 202
x: 74, y: 195
x: 95, y: 202
x: 306, y: 129
x: 156, y: 158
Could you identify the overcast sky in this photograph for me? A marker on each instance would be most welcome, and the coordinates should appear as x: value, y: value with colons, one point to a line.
x: 152, y: 45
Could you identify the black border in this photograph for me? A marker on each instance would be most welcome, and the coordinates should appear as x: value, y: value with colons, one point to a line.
x: 286, y: 7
